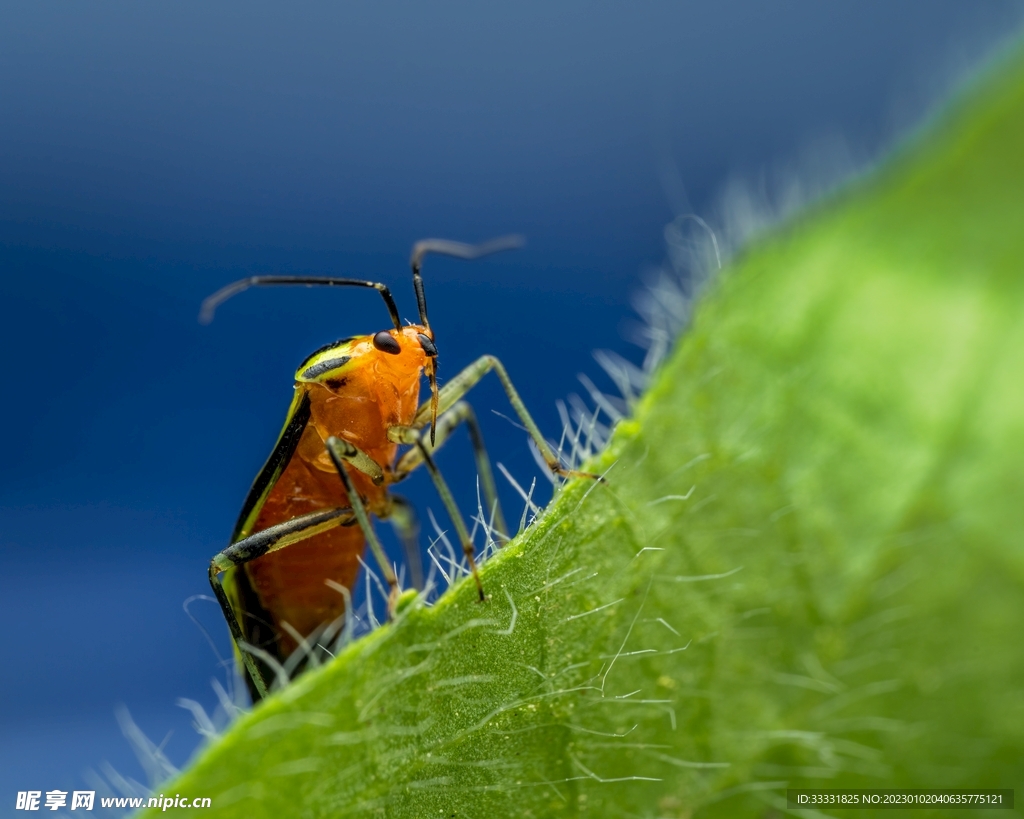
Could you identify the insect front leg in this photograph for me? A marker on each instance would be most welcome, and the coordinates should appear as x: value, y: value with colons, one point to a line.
x: 256, y: 545
x: 342, y: 453
x: 408, y: 435
x: 407, y: 527
x: 462, y: 383
x: 460, y: 413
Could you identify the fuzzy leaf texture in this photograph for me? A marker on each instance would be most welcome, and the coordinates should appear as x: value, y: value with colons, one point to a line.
x: 806, y: 569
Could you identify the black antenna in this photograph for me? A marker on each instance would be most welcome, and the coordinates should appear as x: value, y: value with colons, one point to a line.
x: 211, y: 303
x: 459, y: 250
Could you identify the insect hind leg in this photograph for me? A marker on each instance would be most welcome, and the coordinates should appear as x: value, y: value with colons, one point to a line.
x: 249, y: 548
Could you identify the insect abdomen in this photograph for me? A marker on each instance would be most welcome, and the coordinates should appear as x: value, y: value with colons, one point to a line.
x: 291, y: 588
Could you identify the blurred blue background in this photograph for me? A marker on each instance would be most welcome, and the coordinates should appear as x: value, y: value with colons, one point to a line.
x: 150, y: 153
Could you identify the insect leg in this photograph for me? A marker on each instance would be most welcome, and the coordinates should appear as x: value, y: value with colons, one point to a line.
x: 407, y: 527
x: 256, y: 545
x: 453, y: 512
x: 460, y: 413
x: 462, y: 383
x: 342, y: 452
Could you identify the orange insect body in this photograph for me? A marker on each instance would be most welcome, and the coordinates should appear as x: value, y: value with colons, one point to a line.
x: 365, y: 392
x: 305, y: 522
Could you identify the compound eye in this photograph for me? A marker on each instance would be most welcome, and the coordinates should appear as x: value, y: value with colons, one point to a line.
x: 386, y: 343
x: 427, y: 345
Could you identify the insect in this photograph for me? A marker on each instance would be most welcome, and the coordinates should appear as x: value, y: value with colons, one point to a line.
x: 354, y: 428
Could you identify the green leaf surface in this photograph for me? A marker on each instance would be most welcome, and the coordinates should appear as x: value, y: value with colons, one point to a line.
x: 806, y: 568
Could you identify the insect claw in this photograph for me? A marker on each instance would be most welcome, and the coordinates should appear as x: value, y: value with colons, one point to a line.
x: 575, y: 473
x: 393, y: 596
x: 478, y: 581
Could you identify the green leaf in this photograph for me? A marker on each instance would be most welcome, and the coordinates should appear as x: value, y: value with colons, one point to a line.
x: 806, y: 568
